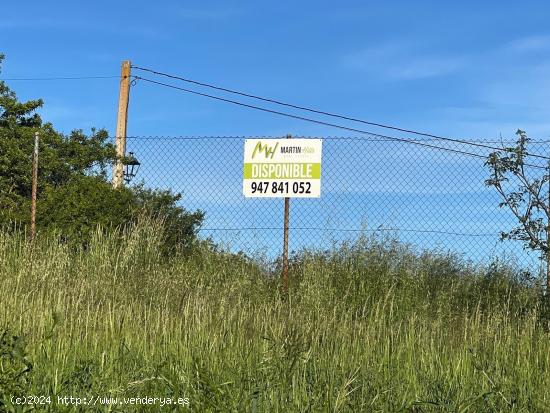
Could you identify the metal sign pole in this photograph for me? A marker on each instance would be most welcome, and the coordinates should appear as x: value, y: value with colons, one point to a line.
x: 285, y: 247
x: 285, y: 242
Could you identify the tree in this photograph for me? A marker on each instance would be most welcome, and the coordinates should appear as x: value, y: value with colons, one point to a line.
x: 74, y: 195
x: 527, y: 197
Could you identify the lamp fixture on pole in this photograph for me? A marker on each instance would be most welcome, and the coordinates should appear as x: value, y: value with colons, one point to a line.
x: 131, y: 167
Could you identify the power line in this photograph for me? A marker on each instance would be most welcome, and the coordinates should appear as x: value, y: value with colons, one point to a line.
x: 334, y: 115
x: 392, y: 138
x: 56, y: 78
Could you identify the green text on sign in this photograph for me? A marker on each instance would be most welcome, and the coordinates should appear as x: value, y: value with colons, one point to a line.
x: 282, y: 171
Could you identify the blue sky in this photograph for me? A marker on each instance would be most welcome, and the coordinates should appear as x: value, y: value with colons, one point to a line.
x: 474, y: 69
x: 463, y: 69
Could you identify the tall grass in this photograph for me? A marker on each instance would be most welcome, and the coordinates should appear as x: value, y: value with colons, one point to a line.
x: 371, y: 326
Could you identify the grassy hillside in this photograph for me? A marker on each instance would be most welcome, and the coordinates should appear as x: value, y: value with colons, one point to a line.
x: 371, y: 326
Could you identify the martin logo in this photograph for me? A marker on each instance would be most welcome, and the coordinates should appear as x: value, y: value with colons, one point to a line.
x: 268, y: 151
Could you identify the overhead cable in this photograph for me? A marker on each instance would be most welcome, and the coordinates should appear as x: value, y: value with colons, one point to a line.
x: 325, y: 113
x: 333, y: 125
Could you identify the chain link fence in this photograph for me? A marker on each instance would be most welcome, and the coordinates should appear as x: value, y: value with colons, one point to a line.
x: 432, y: 199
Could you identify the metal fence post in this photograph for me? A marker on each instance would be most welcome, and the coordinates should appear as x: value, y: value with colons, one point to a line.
x: 34, y: 186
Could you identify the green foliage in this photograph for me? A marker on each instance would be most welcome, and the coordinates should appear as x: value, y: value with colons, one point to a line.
x: 180, y: 226
x: 524, y: 196
x: 74, y: 196
x: 369, y: 326
x: 83, y: 203
x: 15, y: 369
x: 434, y: 284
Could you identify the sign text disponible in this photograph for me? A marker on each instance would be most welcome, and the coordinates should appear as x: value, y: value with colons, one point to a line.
x: 282, y: 170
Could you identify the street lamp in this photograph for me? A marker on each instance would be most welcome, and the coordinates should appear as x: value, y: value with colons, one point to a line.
x: 131, y: 167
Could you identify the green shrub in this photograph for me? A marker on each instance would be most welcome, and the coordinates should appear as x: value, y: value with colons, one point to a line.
x: 15, y: 369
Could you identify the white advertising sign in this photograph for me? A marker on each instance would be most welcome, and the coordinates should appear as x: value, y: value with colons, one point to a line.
x: 280, y: 168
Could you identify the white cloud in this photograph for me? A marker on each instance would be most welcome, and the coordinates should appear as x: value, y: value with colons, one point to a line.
x: 38, y: 23
x: 208, y: 15
x: 397, y: 61
x: 427, y: 66
x: 530, y: 43
x: 81, y: 25
x: 505, y: 92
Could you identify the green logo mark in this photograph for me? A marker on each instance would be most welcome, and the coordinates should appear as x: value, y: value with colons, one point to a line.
x: 268, y: 150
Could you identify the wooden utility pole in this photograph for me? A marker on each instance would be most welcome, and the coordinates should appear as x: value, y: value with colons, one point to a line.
x: 285, y: 242
x: 34, y: 186
x: 122, y: 123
